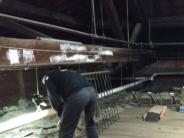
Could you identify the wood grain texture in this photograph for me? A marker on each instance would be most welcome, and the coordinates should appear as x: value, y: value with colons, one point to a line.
x: 130, y: 125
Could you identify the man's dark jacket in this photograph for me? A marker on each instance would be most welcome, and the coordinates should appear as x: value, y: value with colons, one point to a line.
x: 61, y: 84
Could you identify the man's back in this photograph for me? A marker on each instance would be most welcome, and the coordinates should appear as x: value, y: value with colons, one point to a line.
x: 68, y: 82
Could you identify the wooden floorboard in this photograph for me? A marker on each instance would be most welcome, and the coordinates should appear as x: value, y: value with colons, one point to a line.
x: 130, y: 125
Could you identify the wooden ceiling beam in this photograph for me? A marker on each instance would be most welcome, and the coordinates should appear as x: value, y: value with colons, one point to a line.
x: 41, y: 52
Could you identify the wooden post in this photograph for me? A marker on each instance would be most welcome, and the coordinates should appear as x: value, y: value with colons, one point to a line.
x: 20, y: 78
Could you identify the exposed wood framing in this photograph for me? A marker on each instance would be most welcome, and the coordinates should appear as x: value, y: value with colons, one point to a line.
x: 28, y: 8
x: 43, y: 51
x: 111, y: 13
x: 136, y: 32
x: 20, y: 79
x: 24, y: 30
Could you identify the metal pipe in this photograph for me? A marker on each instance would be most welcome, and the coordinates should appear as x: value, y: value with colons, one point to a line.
x: 93, y: 16
x: 119, y: 89
x: 58, y: 28
x: 64, y: 29
x: 165, y: 74
x: 93, y: 73
x: 161, y: 44
x: 144, y: 79
x: 128, y: 30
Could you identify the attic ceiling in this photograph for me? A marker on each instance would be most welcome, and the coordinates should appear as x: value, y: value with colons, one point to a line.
x: 148, y: 20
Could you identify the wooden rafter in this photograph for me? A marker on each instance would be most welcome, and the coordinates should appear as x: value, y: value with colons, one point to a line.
x: 111, y: 13
x: 31, y: 9
x: 40, y: 52
x: 21, y: 29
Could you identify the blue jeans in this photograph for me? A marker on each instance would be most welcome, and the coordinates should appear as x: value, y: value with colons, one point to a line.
x: 85, y: 100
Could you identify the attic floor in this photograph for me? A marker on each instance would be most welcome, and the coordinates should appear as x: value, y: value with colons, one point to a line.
x: 130, y: 125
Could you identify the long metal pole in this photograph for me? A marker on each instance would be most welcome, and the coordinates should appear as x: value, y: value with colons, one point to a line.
x: 64, y: 29
x: 128, y: 30
x: 93, y: 16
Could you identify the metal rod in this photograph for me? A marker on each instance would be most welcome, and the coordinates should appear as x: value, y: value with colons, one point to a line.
x: 102, y: 18
x: 97, y: 113
x: 101, y: 102
x: 128, y: 30
x: 93, y: 16
x: 109, y: 99
x: 37, y: 82
x: 98, y: 72
x: 111, y: 89
x: 58, y: 28
x: 64, y: 29
x: 106, y: 102
x: 165, y: 74
x: 111, y: 96
x: 160, y: 44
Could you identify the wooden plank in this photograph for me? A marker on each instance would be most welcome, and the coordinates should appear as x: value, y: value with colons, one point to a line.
x: 44, y: 50
x: 29, y: 43
x: 130, y: 125
x: 20, y: 79
x: 25, y: 119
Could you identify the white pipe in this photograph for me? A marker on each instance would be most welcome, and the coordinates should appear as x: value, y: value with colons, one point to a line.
x: 143, y: 79
x: 165, y: 74
x: 119, y: 89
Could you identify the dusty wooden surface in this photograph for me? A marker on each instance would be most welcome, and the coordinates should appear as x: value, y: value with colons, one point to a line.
x: 130, y: 125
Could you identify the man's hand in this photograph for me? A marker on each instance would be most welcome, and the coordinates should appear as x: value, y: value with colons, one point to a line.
x: 59, y: 124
